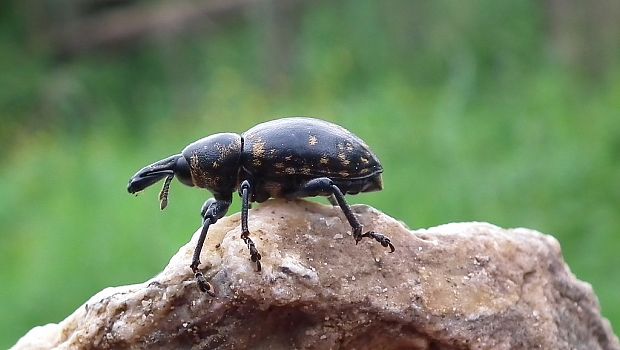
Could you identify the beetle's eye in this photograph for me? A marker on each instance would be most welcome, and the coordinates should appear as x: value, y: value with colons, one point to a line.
x: 183, y: 172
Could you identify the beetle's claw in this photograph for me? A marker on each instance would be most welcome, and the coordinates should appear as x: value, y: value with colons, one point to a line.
x: 203, y: 285
x: 255, y: 256
x: 201, y: 281
x: 258, y: 266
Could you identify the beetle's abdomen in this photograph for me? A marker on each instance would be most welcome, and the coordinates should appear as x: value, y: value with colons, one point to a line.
x: 307, y: 147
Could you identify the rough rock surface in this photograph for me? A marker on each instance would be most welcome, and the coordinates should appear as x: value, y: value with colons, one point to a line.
x: 456, y: 286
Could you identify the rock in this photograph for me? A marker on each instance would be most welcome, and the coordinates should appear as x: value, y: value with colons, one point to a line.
x: 455, y: 286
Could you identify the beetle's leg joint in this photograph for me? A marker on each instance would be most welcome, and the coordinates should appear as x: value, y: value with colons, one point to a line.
x: 245, y: 185
x: 205, y: 208
x: 357, y: 234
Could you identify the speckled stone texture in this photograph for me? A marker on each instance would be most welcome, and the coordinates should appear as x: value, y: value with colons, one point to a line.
x: 455, y: 286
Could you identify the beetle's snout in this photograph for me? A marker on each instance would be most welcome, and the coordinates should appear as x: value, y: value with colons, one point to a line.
x: 151, y: 174
x: 142, y: 180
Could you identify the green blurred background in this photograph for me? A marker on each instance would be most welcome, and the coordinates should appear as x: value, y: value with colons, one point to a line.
x: 498, y: 111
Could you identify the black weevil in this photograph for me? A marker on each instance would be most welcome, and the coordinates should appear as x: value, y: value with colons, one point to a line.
x: 283, y: 158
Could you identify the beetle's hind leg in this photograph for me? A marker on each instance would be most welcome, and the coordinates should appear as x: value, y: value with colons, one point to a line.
x: 324, y: 186
x: 245, y: 189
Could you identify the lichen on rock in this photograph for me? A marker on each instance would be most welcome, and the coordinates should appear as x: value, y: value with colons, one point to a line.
x: 455, y: 286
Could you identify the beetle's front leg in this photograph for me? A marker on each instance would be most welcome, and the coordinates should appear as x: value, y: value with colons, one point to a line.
x: 211, y: 211
x: 324, y: 186
x: 246, y: 191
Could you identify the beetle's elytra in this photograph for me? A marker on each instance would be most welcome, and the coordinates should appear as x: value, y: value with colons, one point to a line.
x: 284, y: 158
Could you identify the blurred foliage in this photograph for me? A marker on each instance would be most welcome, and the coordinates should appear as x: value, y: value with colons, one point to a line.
x: 476, y: 111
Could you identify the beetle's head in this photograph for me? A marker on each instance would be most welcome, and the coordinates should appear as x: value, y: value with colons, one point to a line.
x: 211, y: 162
x: 166, y: 168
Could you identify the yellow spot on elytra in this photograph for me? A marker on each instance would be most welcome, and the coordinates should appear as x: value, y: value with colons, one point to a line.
x: 323, y: 160
x: 342, y: 156
x: 364, y: 160
x: 258, y: 148
x: 288, y: 157
x: 343, y: 174
x: 364, y: 171
x: 305, y: 170
x: 312, y: 140
x: 215, y: 164
x: 346, y: 162
x: 349, y: 146
x: 289, y: 170
x: 256, y: 162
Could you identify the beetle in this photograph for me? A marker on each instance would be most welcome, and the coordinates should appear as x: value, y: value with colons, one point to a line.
x: 288, y: 158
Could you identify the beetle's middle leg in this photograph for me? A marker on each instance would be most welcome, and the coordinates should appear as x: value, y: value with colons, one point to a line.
x: 246, y: 190
x: 324, y: 186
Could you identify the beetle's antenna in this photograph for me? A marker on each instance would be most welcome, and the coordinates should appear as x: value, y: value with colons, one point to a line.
x: 163, y: 194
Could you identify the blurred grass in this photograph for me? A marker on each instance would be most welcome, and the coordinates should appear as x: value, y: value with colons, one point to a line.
x: 470, y: 124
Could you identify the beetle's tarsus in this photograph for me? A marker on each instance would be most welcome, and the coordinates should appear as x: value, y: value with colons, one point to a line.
x: 245, y: 191
x: 201, y: 281
x: 381, y: 239
x: 384, y: 240
x: 203, y: 285
x: 254, y: 254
